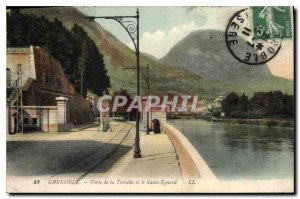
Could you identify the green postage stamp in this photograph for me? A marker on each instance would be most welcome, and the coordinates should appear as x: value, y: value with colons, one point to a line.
x: 272, y: 22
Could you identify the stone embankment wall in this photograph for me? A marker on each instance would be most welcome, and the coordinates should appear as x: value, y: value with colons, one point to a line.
x: 192, y: 164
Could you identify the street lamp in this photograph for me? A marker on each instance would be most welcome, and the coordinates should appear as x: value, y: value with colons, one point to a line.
x: 132, y: 28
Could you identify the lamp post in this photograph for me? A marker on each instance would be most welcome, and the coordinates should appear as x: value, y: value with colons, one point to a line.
x: 132, y: 28
x: 81, y: 80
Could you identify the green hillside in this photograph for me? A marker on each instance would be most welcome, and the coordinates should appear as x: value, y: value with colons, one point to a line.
x: 118, y: 56
x: 163, y: 78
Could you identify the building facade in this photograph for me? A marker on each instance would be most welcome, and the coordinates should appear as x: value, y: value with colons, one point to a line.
x: 42, y: 81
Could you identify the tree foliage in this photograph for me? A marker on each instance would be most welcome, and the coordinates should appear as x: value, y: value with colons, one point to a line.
x: 230, y: 103
x: 76, y: 51
x: 262, y: 104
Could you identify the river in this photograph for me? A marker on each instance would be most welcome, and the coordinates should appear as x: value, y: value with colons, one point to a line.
x: 241, y: 151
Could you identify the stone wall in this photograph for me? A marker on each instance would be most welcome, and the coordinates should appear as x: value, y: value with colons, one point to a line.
x: 79, y: 110
x: 50, y: 74
x: 38, y: 65
x: 192, y: 165
x: 43, y: 80
x: 45, y: 116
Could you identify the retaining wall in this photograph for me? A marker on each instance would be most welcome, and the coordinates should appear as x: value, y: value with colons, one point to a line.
x: 191, y: 163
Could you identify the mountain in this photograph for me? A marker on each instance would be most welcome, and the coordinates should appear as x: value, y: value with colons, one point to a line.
x: 204, y: 52
x: 117, y: 56
x: 164, y: 78
x: 150, y: 56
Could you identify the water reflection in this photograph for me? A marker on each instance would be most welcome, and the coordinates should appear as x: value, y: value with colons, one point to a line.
x: 242, y: 152
x: 259, y: 138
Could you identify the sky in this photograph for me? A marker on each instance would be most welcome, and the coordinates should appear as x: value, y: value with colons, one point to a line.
x: 162, y: 27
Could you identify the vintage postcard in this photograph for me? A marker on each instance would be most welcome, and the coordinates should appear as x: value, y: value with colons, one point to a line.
x: 150, y: 99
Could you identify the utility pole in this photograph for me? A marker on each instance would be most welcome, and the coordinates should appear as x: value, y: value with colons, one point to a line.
x: 147, y: 92
x: 133, y: 29
x: 81, y: 79
x: 148, y: 87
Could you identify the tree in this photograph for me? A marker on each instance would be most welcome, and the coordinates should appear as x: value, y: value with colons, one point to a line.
x: 273, y: 104
x: 289, y: 106
x: 243, y: 103
x: 230, y: 103
x: 98, y: 80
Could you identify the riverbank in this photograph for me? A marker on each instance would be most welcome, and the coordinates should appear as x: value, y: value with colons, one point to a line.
x: 192, y: 165
x: 258, y: 122
x: 238, y: 152
x: 195, y: 166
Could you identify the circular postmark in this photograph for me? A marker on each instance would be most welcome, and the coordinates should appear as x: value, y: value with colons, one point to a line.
x: 241, y: 43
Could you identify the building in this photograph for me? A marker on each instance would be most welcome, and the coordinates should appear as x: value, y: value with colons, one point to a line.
x: 46, y: 92
x: 157, y: 112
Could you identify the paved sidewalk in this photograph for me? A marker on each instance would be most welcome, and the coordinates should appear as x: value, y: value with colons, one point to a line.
x: 158, y: 161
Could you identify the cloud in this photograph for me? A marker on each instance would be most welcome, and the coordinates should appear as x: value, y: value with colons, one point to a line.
x: 216, y: 18
x: 158, y: 43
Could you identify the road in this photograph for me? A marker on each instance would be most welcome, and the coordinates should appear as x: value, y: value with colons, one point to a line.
x: 86, y: 160
x: 72, y: 155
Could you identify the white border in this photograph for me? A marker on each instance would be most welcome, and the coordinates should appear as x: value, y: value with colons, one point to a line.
x: 111, y: 3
